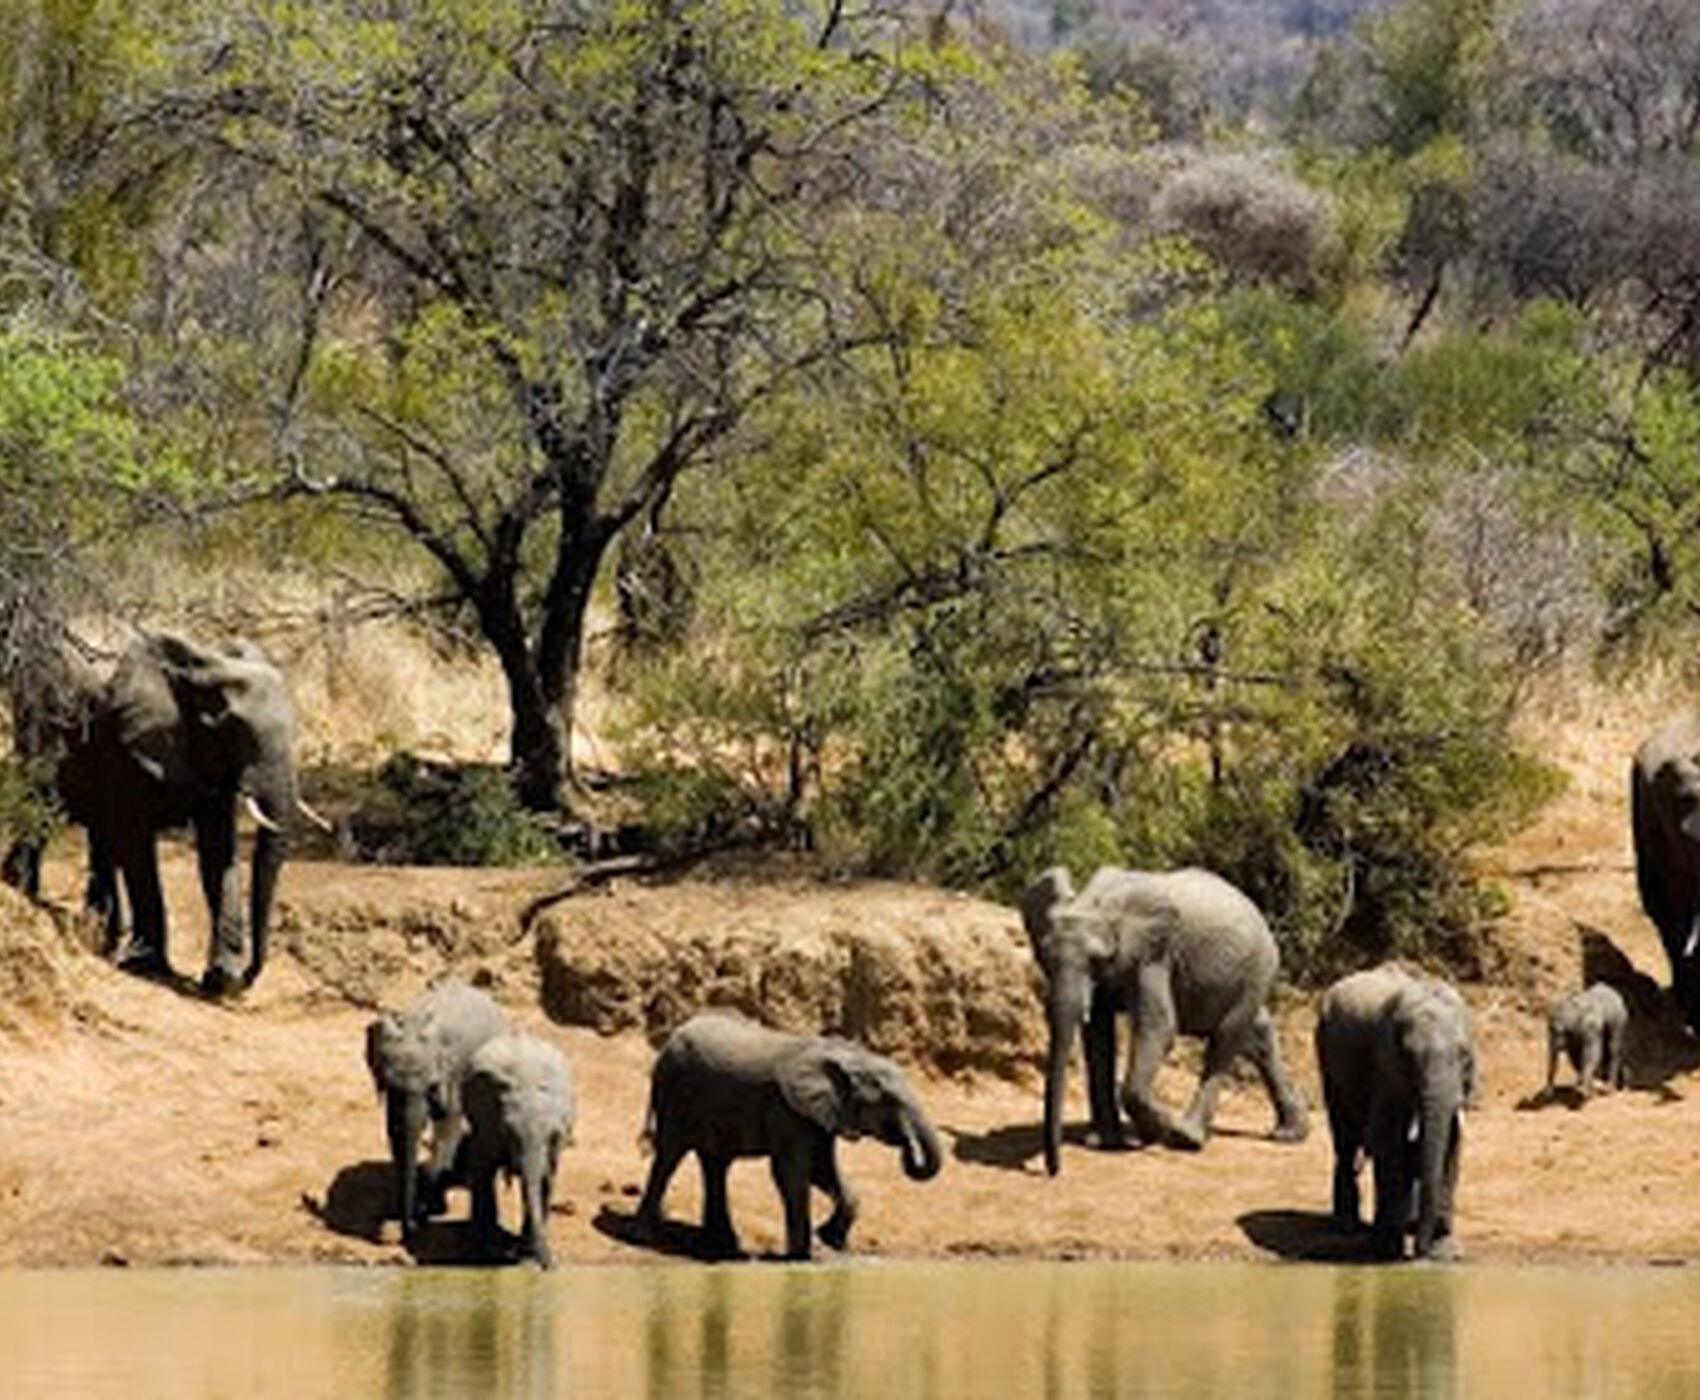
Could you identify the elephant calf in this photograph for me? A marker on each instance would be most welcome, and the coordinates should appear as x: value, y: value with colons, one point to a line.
x: 725, y: 1087
x: 1398, y: 1065
x: 417, y: 1059
x: 1588, y: 1027
x: 518, y: 1096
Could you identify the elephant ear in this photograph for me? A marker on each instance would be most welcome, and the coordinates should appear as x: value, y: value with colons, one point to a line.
x: 146, y: 715
x: 1051, y: 888
x: 817, y: 1084
x: 237, y: 687
x: 380, y: 1035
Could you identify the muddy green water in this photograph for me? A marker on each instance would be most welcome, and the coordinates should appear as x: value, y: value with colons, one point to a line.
x: 867, y: 1329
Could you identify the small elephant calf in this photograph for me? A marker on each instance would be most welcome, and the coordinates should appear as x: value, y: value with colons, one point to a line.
x: 417, y: 1058
x: 1588, y: 1028
x: 518, y: 1098
x: 725, y: 1087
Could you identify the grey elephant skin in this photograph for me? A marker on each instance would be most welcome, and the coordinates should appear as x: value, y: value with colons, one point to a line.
x: 518, y: 1098
x: 1398, y: 1066
x: 418, y: 1059
x: 1665, y: 819
x: 1588, y: 1028
x: 726, y: 1087
x: 179, y: 735
x: 1180, y: 952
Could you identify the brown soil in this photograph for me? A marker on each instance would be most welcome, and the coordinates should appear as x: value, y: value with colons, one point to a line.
x: 146, y: 1126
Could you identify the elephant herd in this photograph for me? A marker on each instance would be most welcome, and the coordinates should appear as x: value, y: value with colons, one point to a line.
x: 182, y: 735
x: 723, y: 1087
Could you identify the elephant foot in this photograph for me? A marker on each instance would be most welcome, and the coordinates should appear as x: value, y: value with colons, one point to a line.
x: 1444, y: 1250
x: 1109, y: 1139
x: 140, y: 961
x: 217, y: 984
x: 1290, y: 1130
x: 1387, y: 1245
x: 835, y: 1234
x: 1187, y: 1137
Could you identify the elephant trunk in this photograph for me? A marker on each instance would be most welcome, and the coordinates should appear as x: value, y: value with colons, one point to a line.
x: 534, y: 1170
x: 920, y: 1144
x: 276, y: 797
x: 404, y: 1116
x: 1437, y: 1116
x: 1065, y: 1014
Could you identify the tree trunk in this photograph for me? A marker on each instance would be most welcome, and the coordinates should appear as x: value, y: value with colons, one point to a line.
x: 543, y: 677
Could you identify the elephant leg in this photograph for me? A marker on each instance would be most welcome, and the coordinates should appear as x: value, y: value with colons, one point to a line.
x: 1264, y: 1050
x: 1391, y: 1159
x: 486, y: 1219
x: 100, y: 893
x: 1100, y: 1048
x: 22, y: 867
x: 1153, y: 1038
x: 1588, y: 1069
x: 1553, y: 1050
x: 1348, y: 1142
x: 720, y: 1239
x: 446, y: 1166
x: 1445, y: 1244
x: 1099, y: 1044
x: 1231, y: 1039
x: 147, y: 953
x: 836, y: 1231
x: 669, y: 1152
x: 221, y: 887
x: 792, y: 1173
x: 1614, y: 1060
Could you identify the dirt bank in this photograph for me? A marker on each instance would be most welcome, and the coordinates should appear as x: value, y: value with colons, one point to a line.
x: 146, y: 1126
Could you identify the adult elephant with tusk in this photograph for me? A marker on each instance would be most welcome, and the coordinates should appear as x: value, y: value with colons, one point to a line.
x: 1664, y: 792
x: 182, y: 735
x: 1182, y: 952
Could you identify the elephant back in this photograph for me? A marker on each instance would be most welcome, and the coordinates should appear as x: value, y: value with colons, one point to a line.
x: 1665, y: 818
x: 518, y: 1077
x: 1348, y: 1027
x: 434, y: 1038
x: 1220, y: 948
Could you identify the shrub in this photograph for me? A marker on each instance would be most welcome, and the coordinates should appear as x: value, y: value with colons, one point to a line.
x: 1258, y: 222
x: 420, y: 812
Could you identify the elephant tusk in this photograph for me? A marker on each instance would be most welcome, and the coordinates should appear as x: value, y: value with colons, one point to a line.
x: 260, y: 818
x: 318, y: 819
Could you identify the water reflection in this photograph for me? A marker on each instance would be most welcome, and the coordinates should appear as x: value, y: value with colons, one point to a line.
x: 455, y: 1333
x: 1393, y: 1333
x: 869, y: 1329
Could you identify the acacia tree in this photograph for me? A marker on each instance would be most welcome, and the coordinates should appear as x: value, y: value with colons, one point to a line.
x: 550, y: 255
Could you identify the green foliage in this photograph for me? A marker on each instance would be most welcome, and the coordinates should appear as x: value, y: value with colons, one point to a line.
x: 1042, y: 581
x: 419, y: 812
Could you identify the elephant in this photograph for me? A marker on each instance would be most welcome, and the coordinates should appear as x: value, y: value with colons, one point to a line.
x: 417, y: 1060
x: 1398, y: 1067
x: 518, y: 1097
x: 1664, y: 796
x: 725, y: 1087
x: 1182, y: 952
x: 178, y: 735
x: 1588, y: 1027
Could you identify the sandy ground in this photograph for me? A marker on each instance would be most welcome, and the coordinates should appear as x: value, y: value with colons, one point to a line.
x: 146, y: 1126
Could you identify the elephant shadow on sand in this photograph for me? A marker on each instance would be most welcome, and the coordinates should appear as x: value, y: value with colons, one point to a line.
x: 1659, y: 1047
x: 360, y: 1202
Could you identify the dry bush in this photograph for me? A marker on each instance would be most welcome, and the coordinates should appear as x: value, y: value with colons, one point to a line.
x: 1258, y: 222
